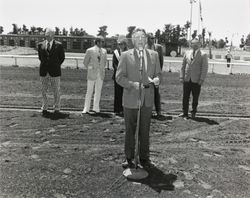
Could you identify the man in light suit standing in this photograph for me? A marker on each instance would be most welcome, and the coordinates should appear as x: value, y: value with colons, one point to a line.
x: 95, y: 60
x: 51, y: 55
x: 192, y: 75
x: 129, y: 76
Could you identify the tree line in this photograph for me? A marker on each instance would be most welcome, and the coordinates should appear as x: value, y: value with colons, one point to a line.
x: 171, y: 34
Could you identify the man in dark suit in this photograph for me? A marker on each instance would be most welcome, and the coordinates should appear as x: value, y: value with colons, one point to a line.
x: 122, y: 46
x: 158, y: 48
x: 129, y: 75
x: 51, y: 55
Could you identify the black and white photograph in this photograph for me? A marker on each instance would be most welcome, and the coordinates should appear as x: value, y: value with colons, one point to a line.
x: 125, y: 99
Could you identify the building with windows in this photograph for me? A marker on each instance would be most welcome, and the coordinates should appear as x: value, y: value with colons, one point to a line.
x: 70, y: 43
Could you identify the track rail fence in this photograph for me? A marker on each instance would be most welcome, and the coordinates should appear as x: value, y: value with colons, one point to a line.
x: 169, y: 63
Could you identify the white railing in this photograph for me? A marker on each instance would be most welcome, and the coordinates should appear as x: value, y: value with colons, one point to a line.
x: 168, y: 62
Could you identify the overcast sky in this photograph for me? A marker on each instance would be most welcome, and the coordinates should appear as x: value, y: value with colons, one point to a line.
x: 228, y: 18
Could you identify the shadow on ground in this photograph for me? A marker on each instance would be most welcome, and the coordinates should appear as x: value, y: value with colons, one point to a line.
x: 158, y: 180
x: 101, y: 114
x: 162, y: 117
x: 206, y: 120
x: 56, y: 116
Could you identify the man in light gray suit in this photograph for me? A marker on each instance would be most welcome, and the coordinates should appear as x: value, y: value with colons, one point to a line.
x: 95, y: 60
x: 192, y: 75
x: 129, y: 76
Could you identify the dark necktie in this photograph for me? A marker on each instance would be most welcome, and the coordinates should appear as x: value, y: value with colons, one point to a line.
x: 48, y: 46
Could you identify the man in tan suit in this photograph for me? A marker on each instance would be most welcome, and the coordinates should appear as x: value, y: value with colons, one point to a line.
x: 95, y: 60
x: 192, y: 75
x: 129, y: 76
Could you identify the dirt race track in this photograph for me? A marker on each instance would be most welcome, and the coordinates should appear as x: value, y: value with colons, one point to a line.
x: 81, y: 156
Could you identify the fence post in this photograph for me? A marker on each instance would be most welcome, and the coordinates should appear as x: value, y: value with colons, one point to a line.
x: 77, y: 67
x: 212, y: 68
x: 231, y: 69
x: 108, y: 64
x: 169, y: 68
x: 16, y: 62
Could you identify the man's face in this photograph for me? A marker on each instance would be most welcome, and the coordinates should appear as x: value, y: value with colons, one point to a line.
x: 150, y: 40
x: 195, y: 45
x: 139, y: 40
x: 49, y: 35
x: 100, y: 43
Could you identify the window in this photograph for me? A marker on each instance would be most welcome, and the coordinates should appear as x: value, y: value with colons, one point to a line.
x: 64, y: 43
x: 22, y: 43
x: 33, y: 44
x: 11, y: 42
x: 76, y: 44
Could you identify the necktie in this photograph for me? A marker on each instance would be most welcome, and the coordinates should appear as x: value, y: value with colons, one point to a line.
x: 48, y: 46
x: 99, y: 55
x: 144, y: 72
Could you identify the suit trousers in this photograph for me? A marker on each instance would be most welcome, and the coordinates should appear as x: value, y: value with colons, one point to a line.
x: 118, y: 98
x: 157, y: 98
x: 130, y: 116
x: 189, y: 87
x: 55, y: 84
x: 91, y: 85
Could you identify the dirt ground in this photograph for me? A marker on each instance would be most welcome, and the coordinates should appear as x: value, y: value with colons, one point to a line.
x: 81, y: 156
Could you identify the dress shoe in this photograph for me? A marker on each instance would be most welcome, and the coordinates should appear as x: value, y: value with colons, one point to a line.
x: 128, y: 164
x: 120, y: 114
x: 184, y: 116
x: 160, y: 117
x: 84, y: 112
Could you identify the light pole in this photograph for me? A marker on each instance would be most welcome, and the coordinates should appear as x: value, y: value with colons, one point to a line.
x: 191, y: 12
x: 210, y: 45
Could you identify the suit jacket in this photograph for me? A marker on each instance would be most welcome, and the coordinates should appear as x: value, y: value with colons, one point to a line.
x: 194, y: 68
x: 158, y: 48
x: 93, y: 64
x: 51, y: 61
x: 128, y: 72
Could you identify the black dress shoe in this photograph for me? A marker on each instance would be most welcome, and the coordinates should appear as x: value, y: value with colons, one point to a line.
x: 128, y: 164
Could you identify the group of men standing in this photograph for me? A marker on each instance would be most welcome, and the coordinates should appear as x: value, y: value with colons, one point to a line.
x: 137, y: 76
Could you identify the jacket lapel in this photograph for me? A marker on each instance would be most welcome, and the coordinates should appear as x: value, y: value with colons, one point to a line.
x: 149, y: 62
x: 197, y: 55
x: 135, y: 57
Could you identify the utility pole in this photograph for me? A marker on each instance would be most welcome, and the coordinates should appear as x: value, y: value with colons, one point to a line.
x: 210, y: 45
x: 191, y: 12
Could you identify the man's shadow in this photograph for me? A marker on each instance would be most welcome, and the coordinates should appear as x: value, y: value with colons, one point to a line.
x: 101, y: 114
x: 56, y: 116
x: 162, y: 117
x: 158, y: 180
x: 206, y: 120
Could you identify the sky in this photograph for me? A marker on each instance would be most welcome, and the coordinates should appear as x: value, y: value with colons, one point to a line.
x: 224, y: 18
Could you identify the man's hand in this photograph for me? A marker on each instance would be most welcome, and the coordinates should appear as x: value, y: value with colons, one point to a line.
x: 181, y: 80
x: 155, y: 81
x: 201, y: 82
x: 136, y: 85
